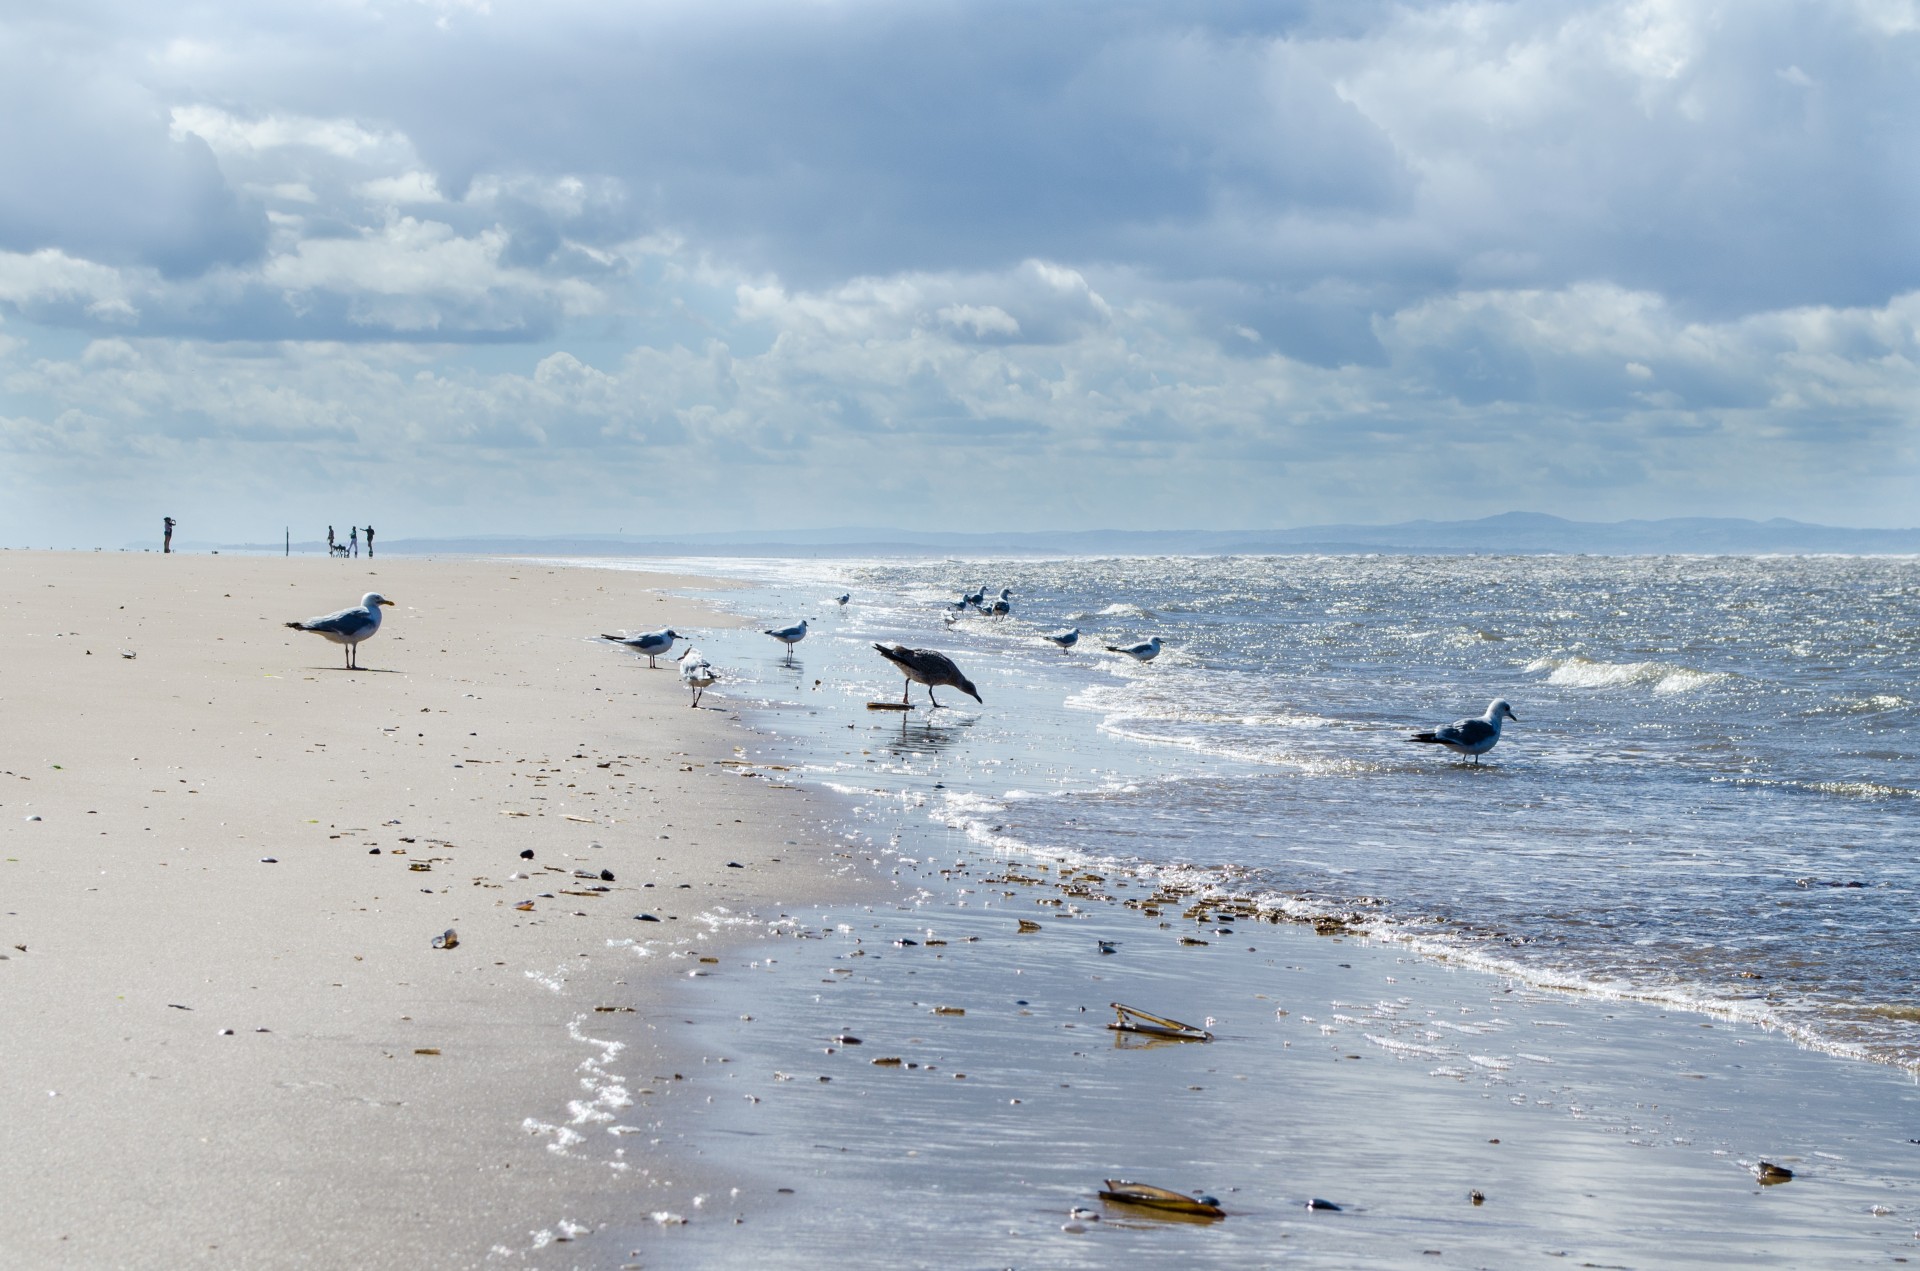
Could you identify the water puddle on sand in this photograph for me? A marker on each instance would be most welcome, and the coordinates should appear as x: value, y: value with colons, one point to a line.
x: 1597, y: 1131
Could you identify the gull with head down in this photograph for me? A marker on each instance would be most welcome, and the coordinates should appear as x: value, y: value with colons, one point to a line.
x: 929, y: 667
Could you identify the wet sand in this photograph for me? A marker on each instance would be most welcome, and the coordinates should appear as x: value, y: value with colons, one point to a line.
x: 230, y: 1040
x: 1593, y: 1132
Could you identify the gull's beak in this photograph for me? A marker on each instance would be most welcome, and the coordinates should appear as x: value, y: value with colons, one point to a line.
x: 385, y: 601
x: 1515, y: 718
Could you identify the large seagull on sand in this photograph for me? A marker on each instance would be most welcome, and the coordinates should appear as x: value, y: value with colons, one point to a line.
x: 349, y: 626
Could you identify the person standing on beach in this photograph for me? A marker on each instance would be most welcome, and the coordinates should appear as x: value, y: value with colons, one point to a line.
x: 330, y: 543
x: 369, y: 542
x: 353, y: 537
x: 166, y: 534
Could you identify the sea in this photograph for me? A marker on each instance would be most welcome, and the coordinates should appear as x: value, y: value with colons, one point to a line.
x: 1709, y: 800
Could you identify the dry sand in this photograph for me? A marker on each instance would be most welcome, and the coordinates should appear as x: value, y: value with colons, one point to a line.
x: 218, y: 1059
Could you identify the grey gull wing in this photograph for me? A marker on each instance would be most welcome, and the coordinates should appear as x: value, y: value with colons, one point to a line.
x: 1465, y: 732
x: 347, y: 622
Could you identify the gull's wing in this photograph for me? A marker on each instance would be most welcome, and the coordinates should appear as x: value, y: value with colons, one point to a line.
x: 1466, y: 732
x: 347, y: 622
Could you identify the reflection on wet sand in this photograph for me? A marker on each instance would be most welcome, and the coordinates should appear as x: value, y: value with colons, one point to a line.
x: 930, y: 736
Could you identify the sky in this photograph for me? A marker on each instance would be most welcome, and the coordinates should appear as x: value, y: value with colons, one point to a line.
x: 461, y: 267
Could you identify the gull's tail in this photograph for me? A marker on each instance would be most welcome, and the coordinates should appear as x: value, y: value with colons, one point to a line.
x: 1428, y: 737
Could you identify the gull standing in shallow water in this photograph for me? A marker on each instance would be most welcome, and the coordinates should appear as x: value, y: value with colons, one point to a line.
x: 1064, y: 640
x: 651, y: 643
x: 1145, y: 651
x: 696, y: 672
x: 789, y: 636
x: 1474, y: 737
x: 929, y: 667
x: 349, y: 626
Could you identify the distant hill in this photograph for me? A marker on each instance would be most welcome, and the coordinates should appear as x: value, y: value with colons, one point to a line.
x: 1510, y: 533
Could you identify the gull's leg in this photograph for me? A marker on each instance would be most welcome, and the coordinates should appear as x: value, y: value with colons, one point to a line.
x: 905, y: 689
x: 932, y: 698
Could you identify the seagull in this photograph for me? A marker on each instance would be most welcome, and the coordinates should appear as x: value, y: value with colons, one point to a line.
x: 977, y: 597
x: 651, y: 643
x: 1146, y: 651
x: 1064, y: 640
x: 1004, y: 605
x: 929, y: 667
x: 843, y: 598
x: 696, y: 672
x: 1473, y: 737
x: 349, y: 626
x: 789, y: 636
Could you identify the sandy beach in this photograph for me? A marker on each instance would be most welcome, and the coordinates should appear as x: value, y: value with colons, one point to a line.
x: 234, y: 1042
x: 231, y: 1040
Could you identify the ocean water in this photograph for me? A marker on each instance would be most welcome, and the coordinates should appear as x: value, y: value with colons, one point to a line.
x: 1710, y: 799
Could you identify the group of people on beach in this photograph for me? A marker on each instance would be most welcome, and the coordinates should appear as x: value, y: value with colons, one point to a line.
x: 352, y: 546
x: 334, y: 546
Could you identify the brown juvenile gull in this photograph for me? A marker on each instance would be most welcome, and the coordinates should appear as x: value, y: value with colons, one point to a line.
x: 349, y: 626
x: 1474, y: 737
x: 929, y: 667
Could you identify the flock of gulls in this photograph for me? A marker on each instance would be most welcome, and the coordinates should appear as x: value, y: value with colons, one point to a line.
x: 348, y: 627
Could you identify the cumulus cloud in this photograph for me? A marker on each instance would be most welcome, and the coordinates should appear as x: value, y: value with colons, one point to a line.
x: 1223, y: 263
x: 1147, y: 414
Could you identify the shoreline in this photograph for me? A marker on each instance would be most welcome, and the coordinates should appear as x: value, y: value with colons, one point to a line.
x: 535, y: 1096
x: 233, y: 1040
x: 765, y: 1060
x: 1762, y: 929
x: 1342, y: 1066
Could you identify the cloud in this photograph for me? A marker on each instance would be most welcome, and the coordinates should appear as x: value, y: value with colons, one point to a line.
x: 96, y: 188
x: 1218, y: 263
x: 1146, y: 412
x: 230, y: 135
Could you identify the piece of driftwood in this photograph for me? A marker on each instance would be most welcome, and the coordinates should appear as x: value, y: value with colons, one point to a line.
x: 888, y: 706
x: 1147, y: 1196
x: 1131, y: 1019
